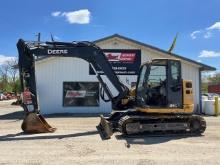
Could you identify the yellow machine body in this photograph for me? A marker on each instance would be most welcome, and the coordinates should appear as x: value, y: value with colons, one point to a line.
x: 188, y: 102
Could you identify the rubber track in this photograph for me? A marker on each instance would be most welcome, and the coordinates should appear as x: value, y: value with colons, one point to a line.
x: 127, y: 119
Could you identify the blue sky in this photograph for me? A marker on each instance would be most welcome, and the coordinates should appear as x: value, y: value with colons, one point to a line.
x: 154, y: 22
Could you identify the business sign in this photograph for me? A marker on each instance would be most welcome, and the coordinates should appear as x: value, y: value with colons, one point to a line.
x: 80, y: 94
x: 123, y: 62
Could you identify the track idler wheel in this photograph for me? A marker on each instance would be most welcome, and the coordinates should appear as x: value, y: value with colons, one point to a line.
x: 197, y: 124
x: 35, y: 123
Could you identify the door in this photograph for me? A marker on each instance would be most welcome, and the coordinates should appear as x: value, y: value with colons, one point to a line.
x: 152, y: 84
x: 174, y: 88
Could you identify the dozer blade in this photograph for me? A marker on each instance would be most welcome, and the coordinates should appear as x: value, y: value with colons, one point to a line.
x: 35, y: 123
x: 105, y: 128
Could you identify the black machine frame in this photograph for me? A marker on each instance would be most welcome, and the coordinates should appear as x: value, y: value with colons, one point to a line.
x: 87, y: 51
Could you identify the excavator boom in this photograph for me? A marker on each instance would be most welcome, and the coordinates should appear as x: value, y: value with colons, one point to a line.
x: 28, y: 51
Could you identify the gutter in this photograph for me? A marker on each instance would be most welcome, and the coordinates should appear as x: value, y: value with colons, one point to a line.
x: 200, y: 90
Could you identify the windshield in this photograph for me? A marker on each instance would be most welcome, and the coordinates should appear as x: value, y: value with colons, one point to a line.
x: 142, y: 76
x: 157, y: 75
x: 151, y: 88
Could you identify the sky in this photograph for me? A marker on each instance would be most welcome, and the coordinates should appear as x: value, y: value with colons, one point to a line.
x: 155, y: 22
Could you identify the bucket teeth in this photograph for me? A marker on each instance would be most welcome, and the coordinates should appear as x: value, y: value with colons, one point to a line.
x: 105, y: 128
x: 35, y: 123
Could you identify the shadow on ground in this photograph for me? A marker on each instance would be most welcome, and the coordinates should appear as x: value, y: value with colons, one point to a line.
x: 18, y: 115
x: 136, y: 139
x: 23, y: 136
x: 75, y: 115
x: 151, y: 139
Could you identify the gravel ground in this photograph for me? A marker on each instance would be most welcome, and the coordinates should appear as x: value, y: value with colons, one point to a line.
x: 77, y: 142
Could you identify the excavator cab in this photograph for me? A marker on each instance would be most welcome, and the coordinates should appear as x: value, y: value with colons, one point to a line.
x: 159, y: 84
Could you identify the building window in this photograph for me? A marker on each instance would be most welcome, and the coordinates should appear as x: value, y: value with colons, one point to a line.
x: 80, y: 94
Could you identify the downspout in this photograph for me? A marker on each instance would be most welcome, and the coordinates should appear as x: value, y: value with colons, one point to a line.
x: 200, y: 90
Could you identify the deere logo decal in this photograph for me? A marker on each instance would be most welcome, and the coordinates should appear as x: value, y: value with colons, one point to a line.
x: 60, y: 51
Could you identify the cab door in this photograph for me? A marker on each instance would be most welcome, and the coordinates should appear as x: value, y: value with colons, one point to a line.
x: 174, y: 88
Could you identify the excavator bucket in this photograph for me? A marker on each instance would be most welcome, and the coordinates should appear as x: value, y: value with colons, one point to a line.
x: 35, y: 123
x: 105, y: 128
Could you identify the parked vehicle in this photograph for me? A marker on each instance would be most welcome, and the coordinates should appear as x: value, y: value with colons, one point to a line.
x: 2, y: 97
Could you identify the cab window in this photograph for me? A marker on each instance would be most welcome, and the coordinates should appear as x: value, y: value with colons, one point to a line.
x: 175, y: 72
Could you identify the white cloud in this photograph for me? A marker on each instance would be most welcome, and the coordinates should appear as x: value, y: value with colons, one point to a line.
x: 56, y: 13
x: 209, y: 54
x: 208, y: 34
x: 215, y: 26
x: 80, y: 16
x: 199, y: 60
x: 74, y: 17
x: 193, y: 35
x: 4, y: 59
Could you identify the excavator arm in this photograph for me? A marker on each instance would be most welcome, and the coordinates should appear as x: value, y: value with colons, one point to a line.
x: 29, y: 51
x: 84, y: 50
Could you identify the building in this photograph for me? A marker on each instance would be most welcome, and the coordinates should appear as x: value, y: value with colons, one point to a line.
x: 214, y: 88
x: 60, y: 78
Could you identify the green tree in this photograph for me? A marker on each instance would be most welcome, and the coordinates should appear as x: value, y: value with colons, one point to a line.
x: 215, y: 79
x: 9, y: 81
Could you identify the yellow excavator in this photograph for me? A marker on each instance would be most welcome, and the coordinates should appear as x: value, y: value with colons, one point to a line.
x: 161, y: 102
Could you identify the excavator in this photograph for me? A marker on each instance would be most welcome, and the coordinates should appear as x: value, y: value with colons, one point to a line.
x: 161, y: 102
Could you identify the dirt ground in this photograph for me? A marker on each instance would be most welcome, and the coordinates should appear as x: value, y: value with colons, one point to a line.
x: 77, y: 142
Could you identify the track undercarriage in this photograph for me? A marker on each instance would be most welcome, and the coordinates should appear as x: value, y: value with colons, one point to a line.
x: 133, y: 122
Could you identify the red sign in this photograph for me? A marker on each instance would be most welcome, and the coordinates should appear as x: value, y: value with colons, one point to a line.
x: 80, y: 94
x: 123, y: 57
x: 123, y: 61
x: 75, y: 94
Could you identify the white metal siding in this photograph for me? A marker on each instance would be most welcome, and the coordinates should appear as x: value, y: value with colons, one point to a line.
x: 50, y: 75
x: 52, y: 72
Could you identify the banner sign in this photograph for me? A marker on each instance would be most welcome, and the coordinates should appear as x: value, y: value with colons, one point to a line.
x: 124, y: 62
x: 80, y: 94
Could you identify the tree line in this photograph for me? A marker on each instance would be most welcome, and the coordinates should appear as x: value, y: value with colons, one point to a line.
x: 210, y: 80
x: 9, y: 79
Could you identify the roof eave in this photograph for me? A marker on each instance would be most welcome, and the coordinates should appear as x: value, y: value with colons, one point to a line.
x: 203, y: 67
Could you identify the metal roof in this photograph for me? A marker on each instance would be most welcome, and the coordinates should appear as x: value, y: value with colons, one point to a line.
x: 203, y: 67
